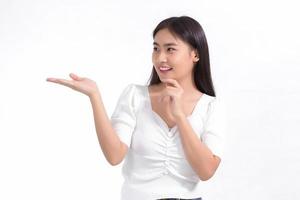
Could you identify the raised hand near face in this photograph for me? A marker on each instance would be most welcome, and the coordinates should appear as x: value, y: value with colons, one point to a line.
x: 172, y: 95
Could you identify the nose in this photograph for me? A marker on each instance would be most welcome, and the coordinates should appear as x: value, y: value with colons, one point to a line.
x: 161, y: 57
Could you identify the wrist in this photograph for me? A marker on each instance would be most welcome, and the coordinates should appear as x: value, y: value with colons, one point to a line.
x: 94, y: 95
x: 180, y: 117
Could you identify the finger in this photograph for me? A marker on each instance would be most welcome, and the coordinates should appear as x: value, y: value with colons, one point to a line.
x: 164, y: 98
x: 75, y: 77
x: 167, y: 93
x: 171, y: 81
x: 64, y: 82
x: 50, y: 79
x: 169, y: 90
x: 54, y: 80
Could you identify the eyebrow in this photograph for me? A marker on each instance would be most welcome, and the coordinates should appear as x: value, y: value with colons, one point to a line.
x: 166, y: 45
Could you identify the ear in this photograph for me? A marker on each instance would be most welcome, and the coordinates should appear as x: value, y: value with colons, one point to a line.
x: 195, y: 56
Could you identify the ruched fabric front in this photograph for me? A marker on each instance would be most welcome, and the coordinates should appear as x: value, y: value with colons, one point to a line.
x: 155, y: 165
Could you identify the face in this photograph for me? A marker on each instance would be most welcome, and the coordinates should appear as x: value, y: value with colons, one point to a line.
x: 172, y: 57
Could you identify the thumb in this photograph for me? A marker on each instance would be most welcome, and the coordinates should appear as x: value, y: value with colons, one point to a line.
x: 75, y: 77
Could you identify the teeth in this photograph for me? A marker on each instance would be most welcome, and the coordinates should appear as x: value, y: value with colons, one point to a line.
x: 165, y: 68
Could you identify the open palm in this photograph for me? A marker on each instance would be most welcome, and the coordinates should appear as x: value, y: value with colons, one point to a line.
x: 80, y: 84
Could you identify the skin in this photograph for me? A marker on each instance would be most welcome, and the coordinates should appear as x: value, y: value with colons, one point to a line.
x: 80, y: 84
x: 177, y: 88
x: 171, y: 51
x: 113, y: 149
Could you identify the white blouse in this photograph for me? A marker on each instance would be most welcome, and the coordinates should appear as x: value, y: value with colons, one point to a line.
x: 155, y: 165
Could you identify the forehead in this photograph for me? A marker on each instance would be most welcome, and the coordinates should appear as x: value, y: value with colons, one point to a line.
x: 164, y: 36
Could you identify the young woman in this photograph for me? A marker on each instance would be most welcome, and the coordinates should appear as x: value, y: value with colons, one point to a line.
x: 169, y: 133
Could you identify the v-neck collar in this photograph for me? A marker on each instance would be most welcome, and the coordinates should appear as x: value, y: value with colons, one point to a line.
x: 161, y: 119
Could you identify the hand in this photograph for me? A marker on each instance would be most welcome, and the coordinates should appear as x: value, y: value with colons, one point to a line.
x: 80, y: 84
x: 172, y: 94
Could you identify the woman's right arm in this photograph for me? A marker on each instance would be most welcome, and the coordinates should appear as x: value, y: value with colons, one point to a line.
x: 112, y: 147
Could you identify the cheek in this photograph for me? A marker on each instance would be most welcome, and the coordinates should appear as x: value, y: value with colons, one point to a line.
x: 179, y: 59
x: 187, y: 60
x: 154, y: 58
x: 182, y: 63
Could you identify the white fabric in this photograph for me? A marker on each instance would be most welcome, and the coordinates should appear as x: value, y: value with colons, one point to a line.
x: 155, y: 165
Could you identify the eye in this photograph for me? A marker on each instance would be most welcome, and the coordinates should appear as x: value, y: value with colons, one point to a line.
x: 155, y: 49
x: 171, y: 49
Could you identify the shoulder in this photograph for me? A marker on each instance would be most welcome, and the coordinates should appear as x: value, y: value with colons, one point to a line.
x: 135, y: 89
x: 208, y: 101
x: 215, y: 105
x: 212, y: 100
x: 133, y: 94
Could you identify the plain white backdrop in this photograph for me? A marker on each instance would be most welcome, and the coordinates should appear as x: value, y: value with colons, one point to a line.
x: 48, y: 144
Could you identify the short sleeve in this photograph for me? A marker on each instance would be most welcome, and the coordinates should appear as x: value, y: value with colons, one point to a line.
x: 215, y: 127
x: 123, y: 118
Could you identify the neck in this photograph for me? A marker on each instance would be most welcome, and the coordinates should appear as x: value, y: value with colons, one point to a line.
x: 188, y: 85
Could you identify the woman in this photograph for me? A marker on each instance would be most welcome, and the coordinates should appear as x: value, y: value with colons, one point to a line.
x: 169, y: 133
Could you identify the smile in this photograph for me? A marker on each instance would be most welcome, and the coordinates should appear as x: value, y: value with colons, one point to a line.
x: 165, y: 69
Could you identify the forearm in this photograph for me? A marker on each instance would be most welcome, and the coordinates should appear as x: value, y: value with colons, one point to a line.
x: 107, y: 137
x: 197, y: 153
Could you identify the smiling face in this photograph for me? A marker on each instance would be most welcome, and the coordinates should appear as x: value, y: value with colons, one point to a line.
x: 172, y: 57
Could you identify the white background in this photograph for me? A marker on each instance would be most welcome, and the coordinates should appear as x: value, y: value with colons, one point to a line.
x: 48, y: 144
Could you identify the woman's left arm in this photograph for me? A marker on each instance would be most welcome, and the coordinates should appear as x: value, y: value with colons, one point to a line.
x: 200, y: 157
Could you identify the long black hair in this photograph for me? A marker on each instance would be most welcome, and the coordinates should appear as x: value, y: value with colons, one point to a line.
x: 191, y: 32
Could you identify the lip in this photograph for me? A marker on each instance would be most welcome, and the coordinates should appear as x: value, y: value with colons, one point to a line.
x: 164, y: 71
x: 165, y: 66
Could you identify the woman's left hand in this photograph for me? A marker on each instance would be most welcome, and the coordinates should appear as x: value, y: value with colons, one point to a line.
x: 174, y: 92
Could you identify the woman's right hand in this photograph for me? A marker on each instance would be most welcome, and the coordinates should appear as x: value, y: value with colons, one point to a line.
x: 80, y: 84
